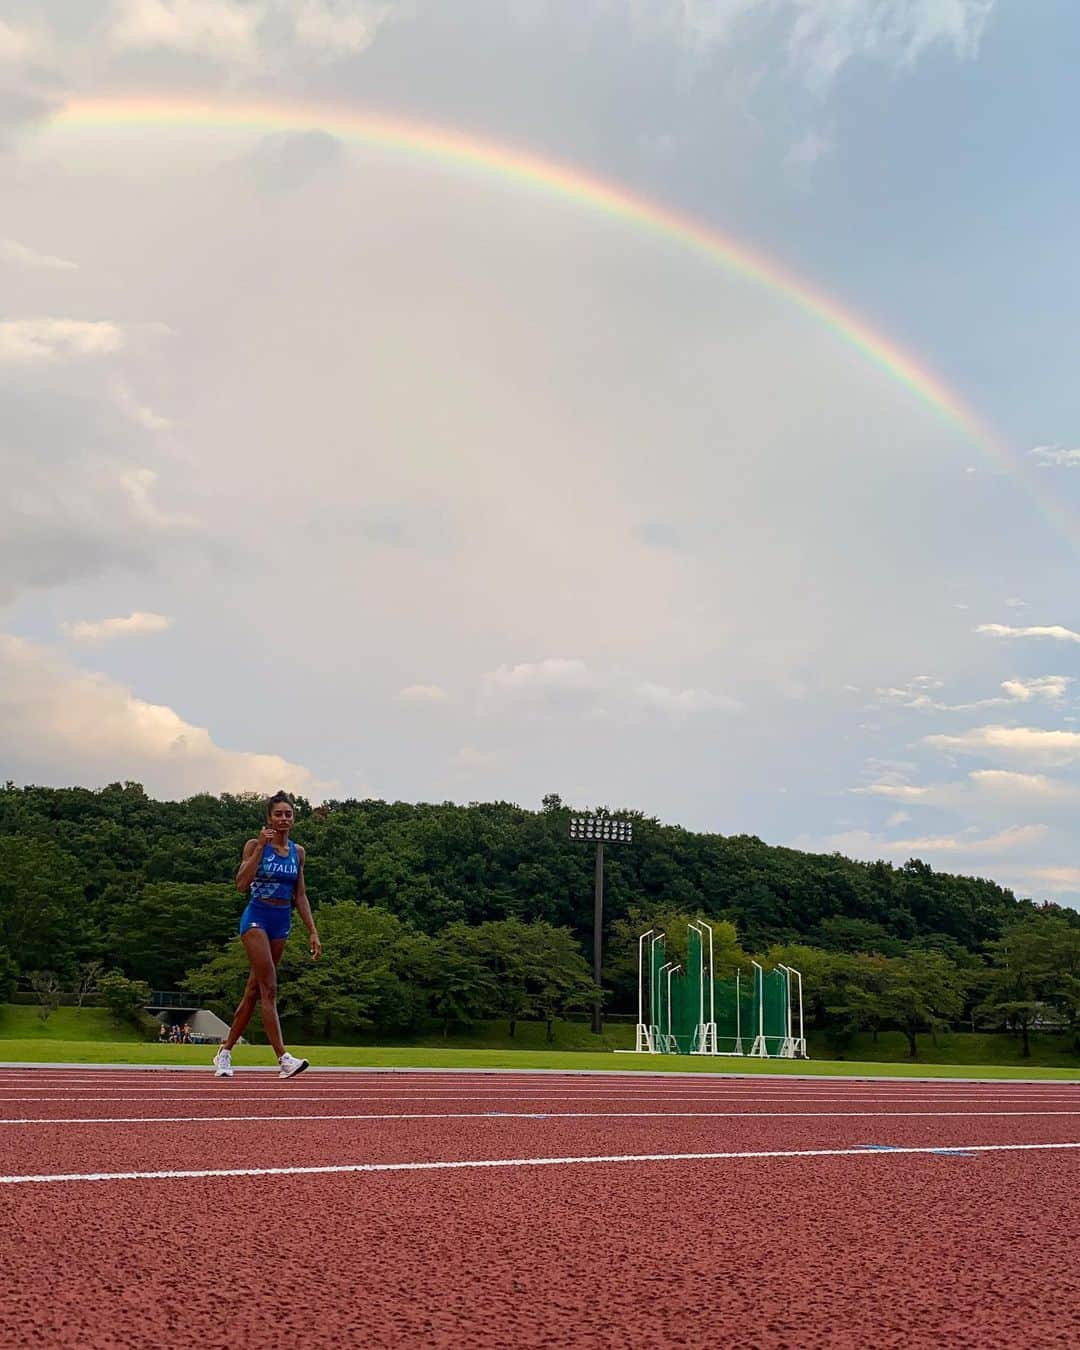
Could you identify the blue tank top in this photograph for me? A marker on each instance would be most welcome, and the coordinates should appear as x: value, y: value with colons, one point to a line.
x: 277, y: 876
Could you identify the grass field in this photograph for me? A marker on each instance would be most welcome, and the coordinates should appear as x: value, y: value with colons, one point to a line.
x: 21, y: 1022
x: 90, y: 1036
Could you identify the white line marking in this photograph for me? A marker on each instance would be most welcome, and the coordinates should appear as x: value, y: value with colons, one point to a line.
x: 340, y: 1168
x: 253, y: 1094
x: 531, y: 1115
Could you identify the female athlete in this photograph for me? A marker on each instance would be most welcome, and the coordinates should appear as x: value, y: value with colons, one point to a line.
x: 272, y: 871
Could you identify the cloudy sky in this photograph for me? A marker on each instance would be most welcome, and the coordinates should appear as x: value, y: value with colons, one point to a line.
x: 333, y: 465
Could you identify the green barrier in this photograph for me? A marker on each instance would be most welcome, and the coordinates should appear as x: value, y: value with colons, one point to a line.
x: 691, y: 1013
x: 775, y: 1020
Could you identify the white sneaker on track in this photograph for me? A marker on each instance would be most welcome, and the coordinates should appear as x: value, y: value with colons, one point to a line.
x: 291, y: 1066
x: 223, y: 1064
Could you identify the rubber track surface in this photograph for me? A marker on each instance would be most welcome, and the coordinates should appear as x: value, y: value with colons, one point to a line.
x: 901, y: 1250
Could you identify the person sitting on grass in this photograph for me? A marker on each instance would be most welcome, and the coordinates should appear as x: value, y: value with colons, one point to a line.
x: 272, y: 872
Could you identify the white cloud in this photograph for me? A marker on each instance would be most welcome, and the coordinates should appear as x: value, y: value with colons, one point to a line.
x: 1054, y: 457
x: 215, y: 28
x: 103, y: 630
x: 1051, y: 688
x: 69, y: 515
x: 809, y: 148
x: 1014, y: 602
x: 338, y: 25
x: 471, y: 759
x: 65, y: 725
x: 1006, y: 841
x: 138, y: 484
x: 554, y: 676
x: 1024, y: 743
x: 682, y: 702
x: 1019, y: 787
x: 422, y: 694
x: 42, y: 340
x: 19, y: 45
x: 965, y: 849
x: 18, y: 255
x: 1055, y: 631
x: 897, y: 818
x: 561, y: 681
x: 138, y: 412
x: 981, y: 788
x: 255, y: 36
x: 827, y: 34
x: 1062, y: 880
x: 902, y: 792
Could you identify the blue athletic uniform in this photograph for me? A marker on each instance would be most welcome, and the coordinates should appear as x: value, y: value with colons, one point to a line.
x: 270, y: 899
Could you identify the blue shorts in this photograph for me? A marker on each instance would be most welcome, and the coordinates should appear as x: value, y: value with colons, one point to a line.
x: 274, y: 920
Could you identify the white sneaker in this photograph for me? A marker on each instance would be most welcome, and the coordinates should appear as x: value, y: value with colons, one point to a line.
x: 223, y: 1064
x: 291, y: 1066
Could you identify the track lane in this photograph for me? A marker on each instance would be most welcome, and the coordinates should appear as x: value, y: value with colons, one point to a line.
x: 891, y: 1252
x: 151, y: 1146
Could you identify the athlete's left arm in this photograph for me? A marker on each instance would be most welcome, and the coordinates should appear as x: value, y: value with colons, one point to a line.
x: 304, y: 907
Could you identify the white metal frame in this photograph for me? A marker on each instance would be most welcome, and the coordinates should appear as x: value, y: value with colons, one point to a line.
x: 668, y: 1041
x: 738, y: 1012
x: 800, y: 1040
x: 644, y: 1041
x: 654, y: 1001
x: 787, y: 1045
x: 704, y: 1042
x: 759, y: 1050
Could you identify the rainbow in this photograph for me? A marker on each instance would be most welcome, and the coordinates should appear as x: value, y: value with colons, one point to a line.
x: 510, y: 165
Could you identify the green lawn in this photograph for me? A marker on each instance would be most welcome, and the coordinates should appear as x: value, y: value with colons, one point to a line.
x: 21, y: 1022
x: 44, y: 1049
x: 960, y: 1047
x: 90, y: 1036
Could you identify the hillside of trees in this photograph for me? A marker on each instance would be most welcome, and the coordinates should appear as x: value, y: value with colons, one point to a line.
x: 430, y: 911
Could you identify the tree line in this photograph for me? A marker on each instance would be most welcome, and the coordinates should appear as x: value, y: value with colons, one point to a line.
x: 422, y: 907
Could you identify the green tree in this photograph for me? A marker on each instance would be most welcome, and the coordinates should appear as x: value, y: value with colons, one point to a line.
x: 42, y: 904
x: 370, y: 978
x: 47, y: 988
x: 87, y: 981
x: 159, y: 933
x: 514, y: 961
x: 126, y: 999
x: 922, y: 991
x: 9, y: 975
x: 463, y: 988
x: 366, y: 979
x: 560, y: 980
x: 1035, y: 972
x: 621, y: 962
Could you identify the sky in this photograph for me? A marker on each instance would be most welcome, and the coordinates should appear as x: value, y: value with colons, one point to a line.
x: 344, y: 464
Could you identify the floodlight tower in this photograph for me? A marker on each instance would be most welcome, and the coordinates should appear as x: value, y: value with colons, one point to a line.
x: 601, y: 829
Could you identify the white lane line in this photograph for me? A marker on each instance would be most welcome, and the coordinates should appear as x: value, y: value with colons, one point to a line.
x: 504, y: 1103
x: 256, y: 1080
x: 257, y: 1093
x: 531, y: 1115
x: 331, y: 1169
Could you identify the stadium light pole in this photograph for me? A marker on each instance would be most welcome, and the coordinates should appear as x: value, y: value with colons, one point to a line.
x: 601, y: 829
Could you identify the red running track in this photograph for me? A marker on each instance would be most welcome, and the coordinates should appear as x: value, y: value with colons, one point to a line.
x: 837, y: 1245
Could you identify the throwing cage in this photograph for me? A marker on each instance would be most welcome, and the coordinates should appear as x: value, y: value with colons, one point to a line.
x: 688, y: 1011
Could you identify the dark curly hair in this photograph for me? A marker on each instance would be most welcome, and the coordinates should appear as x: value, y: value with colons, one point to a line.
x: 280, y: 796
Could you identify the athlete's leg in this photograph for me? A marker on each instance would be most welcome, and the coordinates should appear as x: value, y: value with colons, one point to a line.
x: 245, y: 1009
x: 264, y: 972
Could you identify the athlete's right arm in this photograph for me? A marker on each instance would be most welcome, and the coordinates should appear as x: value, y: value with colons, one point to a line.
x: 249, y: 864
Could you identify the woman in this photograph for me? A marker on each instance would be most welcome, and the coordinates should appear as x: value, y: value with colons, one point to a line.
x: 272, y: 871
